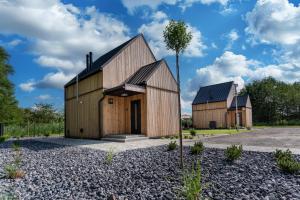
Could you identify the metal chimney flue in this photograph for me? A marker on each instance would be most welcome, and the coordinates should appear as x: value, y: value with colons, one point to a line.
x: 91, y: 59
x: 87, y: 62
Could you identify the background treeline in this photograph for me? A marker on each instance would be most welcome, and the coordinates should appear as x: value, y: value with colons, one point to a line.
x: 274, y: 102
x: 41, y: 119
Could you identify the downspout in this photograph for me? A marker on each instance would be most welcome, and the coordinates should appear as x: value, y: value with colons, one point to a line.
x: 101, y: 115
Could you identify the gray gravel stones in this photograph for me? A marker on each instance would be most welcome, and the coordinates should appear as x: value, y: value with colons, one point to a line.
x: 61, y: 172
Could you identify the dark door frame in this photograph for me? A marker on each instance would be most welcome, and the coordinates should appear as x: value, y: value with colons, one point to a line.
x: 135, y: 117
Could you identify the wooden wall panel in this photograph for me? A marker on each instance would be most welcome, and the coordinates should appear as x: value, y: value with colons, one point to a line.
x: 162, y: 78
x: 89, y: 84
x: 201, y: 118
x: 85, y: 112
x: 162, y: 113
x: 210, y: 106
x: 248, y: 117
x: 116, y: 116
x: 231, y: 96
x: 134, y: 56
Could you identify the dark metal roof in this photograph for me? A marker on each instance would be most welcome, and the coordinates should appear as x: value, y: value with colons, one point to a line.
x: 213, y: 93
x: 98, y: 64
x: 143, y: 74
x: 241, y: 101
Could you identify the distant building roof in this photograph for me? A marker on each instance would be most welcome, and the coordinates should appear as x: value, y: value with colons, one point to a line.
x: 241, y: 101
x: 98, y: 64
x: 213, y: 93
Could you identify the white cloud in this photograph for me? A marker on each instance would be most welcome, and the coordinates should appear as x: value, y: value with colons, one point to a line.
x: 214, y: 46
x: 188, y: 3
x: 61, y: 34
x: 132, y: 5
x: 154, y: 33
x: 153, y: 4
x: 278, y: 23
x: 15, y: 42
x: 44, y: 97
x: 28, y: 86
x: 232, y: 37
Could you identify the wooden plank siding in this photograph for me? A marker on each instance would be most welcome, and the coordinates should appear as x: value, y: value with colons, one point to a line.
x: 162, y: 78
x: 204, y: 113
x: 133, y: 57
x: 162, y: 103
x: 84, y: 114
x: 86, y: 110
x: 162, y: 113
x: 116, y: 118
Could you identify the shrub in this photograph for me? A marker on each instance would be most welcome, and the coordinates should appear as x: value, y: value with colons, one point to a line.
x: 192, y: 186
x: 198, y: 148
x: 279, y: 154
x: 193, y: 132
x: 172, y: 145
x: 286, y: 162
x: 191, y: 137
x: 186, y: 137
x: 288, y: 165
x: 233, y: 152
x: 13, y: 172
x: 109, y: 156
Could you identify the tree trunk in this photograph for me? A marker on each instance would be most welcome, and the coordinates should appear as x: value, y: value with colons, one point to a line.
x: 179, y: 111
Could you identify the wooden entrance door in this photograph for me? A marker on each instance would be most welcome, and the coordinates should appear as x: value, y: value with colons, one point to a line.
x: 136, y: 117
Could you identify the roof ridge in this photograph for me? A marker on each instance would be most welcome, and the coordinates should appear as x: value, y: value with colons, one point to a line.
x: 216, y: 84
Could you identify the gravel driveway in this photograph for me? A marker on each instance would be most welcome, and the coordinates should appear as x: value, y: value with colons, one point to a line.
x: 268, y: 138
x: 67, y: 172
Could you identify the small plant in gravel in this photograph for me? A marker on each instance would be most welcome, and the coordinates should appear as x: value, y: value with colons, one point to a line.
x: 198, y: 148
x: 233, y: 152
x: 286, y: 162
x: 172, y: 145
x: 193, y: 132
x: 279, y: 154
x: 192, y: 185
x: 186, y: 137
x: 13, y: 171
x: 109, y: 156
x: 16, y: 146
x: 191, y: 137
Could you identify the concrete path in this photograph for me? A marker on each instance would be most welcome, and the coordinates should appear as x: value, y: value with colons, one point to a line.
x: 264, y: 140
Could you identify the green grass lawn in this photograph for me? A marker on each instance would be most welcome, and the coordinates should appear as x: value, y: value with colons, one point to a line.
x: 217, y: 131
x: 276, y: 126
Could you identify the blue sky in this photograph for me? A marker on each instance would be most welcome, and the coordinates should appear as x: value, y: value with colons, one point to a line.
x: 239, y: 40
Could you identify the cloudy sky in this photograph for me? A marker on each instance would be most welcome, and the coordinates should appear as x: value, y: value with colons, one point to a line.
x: 240, y: 40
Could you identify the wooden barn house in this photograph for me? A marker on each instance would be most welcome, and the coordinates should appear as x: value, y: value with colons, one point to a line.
x: 215, y: 107
x: 125, y: 91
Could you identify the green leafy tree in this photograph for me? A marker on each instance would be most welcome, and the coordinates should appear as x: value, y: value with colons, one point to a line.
x: 274, y: 101
x: 177, y: 38
x: 9, y: 111
x: 43, y: 113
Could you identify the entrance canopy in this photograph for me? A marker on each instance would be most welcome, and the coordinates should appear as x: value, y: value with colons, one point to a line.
x: 125, y: 90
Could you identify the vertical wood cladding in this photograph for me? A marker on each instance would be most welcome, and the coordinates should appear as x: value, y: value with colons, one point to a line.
x: 162, y: 113
x: 133, y: 57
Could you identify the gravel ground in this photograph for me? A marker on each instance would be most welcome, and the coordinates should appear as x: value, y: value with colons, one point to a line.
x: 63, y: 172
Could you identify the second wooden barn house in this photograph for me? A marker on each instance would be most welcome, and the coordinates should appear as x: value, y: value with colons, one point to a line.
x: 125, y: 91
x: 215, y: 107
